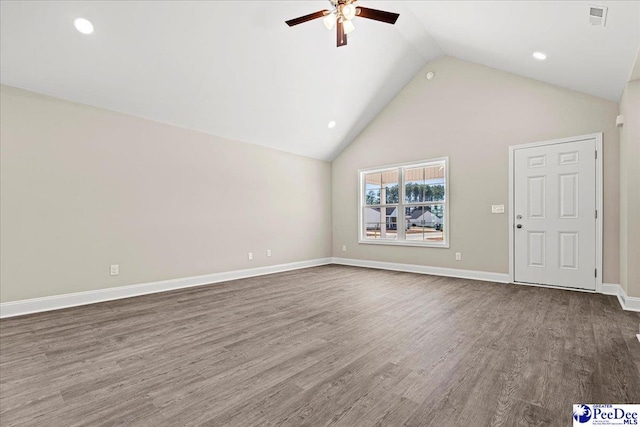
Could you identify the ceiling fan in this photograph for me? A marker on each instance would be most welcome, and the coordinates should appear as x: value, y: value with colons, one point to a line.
x: 341, y: 14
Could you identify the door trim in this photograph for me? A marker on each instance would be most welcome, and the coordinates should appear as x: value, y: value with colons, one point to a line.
x: 599, y: 204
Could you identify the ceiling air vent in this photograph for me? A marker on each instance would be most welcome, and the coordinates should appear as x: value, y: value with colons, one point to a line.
x: 597, y: 15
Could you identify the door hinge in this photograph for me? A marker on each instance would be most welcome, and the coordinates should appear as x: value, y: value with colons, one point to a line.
x: 596, y: 213
x: 596, y: 154
x: 596, y: 272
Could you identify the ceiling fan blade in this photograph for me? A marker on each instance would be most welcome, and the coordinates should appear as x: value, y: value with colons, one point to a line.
x: 377, y: 15
x: 342, y: 37
x: 305, y: 18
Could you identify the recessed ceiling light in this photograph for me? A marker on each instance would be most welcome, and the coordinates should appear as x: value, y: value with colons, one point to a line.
x: 83, y: 25
x: 539, y: 56
x: 332, y: 124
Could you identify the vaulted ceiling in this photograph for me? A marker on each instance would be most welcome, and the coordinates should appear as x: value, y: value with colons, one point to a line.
x: 235, y: 70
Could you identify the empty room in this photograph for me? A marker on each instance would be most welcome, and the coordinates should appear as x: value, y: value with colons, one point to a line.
x: 319, y: 212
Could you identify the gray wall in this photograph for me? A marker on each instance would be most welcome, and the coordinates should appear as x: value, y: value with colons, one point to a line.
x: 630, y: 190
x: 83, y: 188
x: 472, y: 114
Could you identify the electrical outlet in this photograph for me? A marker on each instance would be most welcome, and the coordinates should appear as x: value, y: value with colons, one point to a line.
x: 115, y: 270
x: 458, y: 256
x: 268, y: 252
x: 344, y: 248
x: 250, y: 256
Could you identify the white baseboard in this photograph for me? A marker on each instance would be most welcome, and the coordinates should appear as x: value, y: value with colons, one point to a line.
x: 421, y: 269
x: 56, y: 302
x: 628, y: 303
x: 611, y: 288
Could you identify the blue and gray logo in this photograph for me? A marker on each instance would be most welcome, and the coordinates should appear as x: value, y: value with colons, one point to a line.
x: 582, y: 413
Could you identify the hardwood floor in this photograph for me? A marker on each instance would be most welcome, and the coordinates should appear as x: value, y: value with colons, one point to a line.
x: 330, y: 345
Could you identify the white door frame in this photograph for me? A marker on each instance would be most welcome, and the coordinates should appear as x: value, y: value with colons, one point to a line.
x: 599, y: 206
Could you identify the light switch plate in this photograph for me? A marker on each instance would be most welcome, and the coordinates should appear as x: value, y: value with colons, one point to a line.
x: 497, y: 209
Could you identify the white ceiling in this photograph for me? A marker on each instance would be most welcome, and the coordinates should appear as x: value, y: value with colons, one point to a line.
x: 504, y: 34
x: 235, y: 70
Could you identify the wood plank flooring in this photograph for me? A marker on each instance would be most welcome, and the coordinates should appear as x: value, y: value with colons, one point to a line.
x: 330, y: 345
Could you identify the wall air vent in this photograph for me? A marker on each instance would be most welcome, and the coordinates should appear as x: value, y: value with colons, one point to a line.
x: 597, y: 16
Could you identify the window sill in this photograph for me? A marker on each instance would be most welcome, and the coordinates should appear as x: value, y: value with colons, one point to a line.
x: 404, y: 243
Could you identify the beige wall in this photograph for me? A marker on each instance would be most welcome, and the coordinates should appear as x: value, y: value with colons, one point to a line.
x: 630, y: 190
x: 472, y: 114
x: 83, y: 188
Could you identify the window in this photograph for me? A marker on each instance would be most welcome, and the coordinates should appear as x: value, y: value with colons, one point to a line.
x: 405, y: 204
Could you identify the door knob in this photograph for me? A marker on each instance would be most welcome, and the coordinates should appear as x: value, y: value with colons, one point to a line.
x: 519, y: 225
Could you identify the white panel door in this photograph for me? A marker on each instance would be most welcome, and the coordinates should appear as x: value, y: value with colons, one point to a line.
x: 555, y: 214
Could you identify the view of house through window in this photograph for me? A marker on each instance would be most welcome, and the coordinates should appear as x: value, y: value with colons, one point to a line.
x: 405, y: 204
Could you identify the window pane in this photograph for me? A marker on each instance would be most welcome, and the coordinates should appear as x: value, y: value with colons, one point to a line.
x: 425, y: 223
x: 390, y: 186
x: 414, y: 185
x: 372, y: 188
x: 372, y: 197
x: 434, y: 180
x: 424, y: 184
x: 381, y: 223
x: 373, y: 181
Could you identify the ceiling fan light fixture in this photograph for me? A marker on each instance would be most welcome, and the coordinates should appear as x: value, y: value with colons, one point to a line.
x: 329, y: 20
x: 341, y: 15
x: 348, y: 26
x: 348, y: 11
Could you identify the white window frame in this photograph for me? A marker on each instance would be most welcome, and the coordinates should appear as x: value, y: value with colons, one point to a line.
x: 401, y: 205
